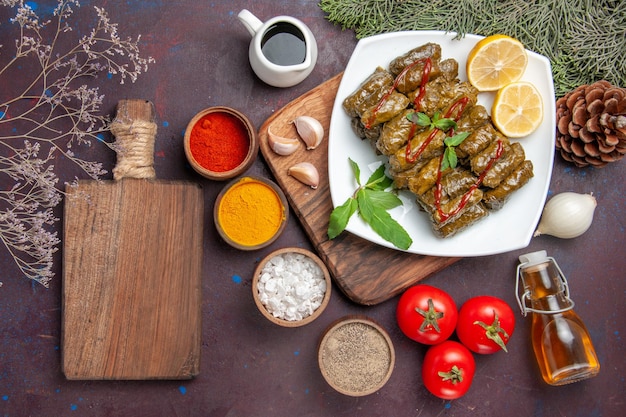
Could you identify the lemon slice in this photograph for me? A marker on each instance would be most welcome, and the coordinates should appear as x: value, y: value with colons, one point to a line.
x: 496, y: 61
x: 517, y: 109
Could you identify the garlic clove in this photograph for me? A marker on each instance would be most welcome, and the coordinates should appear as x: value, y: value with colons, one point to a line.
x: 567, y: 215
x: 281, y: 145
x: 310, y: 130
x: 306, y: 173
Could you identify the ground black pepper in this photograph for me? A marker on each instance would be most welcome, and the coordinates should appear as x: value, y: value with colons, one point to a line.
x: 356, y: 357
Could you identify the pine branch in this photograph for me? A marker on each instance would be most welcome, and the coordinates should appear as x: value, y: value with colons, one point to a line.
x: 585, y: 41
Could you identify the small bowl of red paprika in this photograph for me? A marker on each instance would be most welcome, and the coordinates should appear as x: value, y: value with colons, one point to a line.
x: 220, y: 143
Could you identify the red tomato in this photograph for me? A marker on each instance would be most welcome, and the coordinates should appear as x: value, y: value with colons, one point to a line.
x: 485, y: 324
x: 448, y: 370
x: 426, y: 314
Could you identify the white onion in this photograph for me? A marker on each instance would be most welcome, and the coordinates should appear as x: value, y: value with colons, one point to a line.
x: 567, y: 215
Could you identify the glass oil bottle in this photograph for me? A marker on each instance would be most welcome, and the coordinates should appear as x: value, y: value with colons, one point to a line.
x: 560, y: 340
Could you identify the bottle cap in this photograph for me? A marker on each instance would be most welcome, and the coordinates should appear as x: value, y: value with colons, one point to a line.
x: 534, y: 258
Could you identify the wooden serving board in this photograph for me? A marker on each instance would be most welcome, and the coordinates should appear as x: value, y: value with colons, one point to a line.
x: 365, y: 272
x: 132, y: 260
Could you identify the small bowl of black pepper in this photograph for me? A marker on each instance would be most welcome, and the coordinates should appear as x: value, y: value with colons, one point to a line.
x: 356, y: 356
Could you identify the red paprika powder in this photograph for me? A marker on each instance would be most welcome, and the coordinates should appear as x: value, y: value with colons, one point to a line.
x: 219, y: 142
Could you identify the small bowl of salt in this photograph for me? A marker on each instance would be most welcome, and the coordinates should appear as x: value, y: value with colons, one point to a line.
x: 291, y: 287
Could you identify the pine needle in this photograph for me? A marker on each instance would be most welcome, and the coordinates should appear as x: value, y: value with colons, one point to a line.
x: 584, y: 40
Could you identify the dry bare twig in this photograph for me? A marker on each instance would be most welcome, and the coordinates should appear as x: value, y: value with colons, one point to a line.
x: 48, y: 113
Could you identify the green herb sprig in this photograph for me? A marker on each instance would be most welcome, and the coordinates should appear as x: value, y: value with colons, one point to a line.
x: 372, y: 201
x: 584, y: 40
x: 437, y: 122
x: 450, y: 158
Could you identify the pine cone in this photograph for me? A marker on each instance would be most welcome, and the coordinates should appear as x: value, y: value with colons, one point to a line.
x: 591, y: 124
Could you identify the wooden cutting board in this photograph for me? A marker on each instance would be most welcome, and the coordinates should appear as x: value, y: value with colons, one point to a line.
x: 132, y: 259
x: 366, y: 273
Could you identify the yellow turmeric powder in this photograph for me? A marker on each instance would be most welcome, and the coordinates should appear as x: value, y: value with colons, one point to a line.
x: 250, y: 212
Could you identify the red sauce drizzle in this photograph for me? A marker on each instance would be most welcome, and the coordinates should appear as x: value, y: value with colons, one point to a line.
x: 410, y: 158
x: 454, y: 112
x: 445, y: 216
x: 394, y: 86
x: 457, y: 107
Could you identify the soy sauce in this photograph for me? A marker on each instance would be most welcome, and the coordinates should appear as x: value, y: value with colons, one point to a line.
x: 283, y: 44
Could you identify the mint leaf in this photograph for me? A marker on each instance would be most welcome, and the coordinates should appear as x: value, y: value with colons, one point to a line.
x: 449, y: 155
x: 372, y: 202
x: 382, y: 223
x: 378, y: 180
x: 366, y: 208
x: 382, y: 199
x: 356, y: 171
x: 419, y: 118
x: 377, y: 175
x: 449, y: 159
x: 385, y: 183
x: 437, y: 122
x: 443, y: 123
x: 340, y: 216
x: 457, y: 139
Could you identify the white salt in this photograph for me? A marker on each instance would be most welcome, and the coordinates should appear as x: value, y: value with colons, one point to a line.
x: 291, y: 286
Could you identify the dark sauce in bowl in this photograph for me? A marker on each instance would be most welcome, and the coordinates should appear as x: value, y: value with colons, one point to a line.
x: 283, y: 44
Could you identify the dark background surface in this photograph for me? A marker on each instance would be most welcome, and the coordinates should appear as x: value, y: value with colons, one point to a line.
x: 249, y: 366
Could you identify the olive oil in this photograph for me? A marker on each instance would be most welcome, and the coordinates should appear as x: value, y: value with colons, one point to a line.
x: 284, y: 44
x: 560, y: 340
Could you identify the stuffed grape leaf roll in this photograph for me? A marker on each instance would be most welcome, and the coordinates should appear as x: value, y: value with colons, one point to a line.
x: 494, y: 199
x: 428, y: 50
x: 385, y: 109
x: 395, y: 133
x: 470, y: 216
x: 369, y: 93
x: 512, y: 157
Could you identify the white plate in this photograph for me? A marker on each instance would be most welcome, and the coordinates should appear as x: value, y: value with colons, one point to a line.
x: 502, y: 231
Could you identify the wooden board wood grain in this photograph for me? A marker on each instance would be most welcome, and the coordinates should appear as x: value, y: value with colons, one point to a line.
x: 366, y: 273
x: 132, y: 268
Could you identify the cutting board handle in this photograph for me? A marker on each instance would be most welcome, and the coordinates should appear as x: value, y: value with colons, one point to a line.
x: 134, y: 129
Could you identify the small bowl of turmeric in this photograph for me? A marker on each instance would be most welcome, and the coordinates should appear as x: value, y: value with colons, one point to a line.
x: 250, y: 212
x: 220, y: 143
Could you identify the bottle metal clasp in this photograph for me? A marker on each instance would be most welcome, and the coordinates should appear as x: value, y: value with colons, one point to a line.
x: 523, y: 299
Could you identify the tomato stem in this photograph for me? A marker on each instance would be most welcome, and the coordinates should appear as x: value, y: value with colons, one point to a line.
x: 455, y: 375
x: 430, y: 317
x: 493, y: 330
